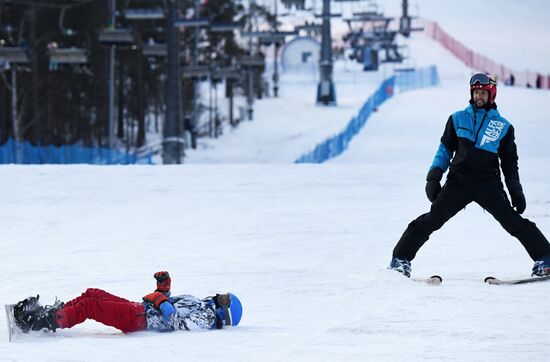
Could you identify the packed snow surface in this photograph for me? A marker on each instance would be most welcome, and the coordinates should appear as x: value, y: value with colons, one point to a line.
x: 305, y: 247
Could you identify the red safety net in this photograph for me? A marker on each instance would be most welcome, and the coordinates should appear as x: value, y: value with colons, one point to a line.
x: 481, y: 63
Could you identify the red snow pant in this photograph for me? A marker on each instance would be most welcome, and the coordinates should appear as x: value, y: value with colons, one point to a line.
x: 105, y: 308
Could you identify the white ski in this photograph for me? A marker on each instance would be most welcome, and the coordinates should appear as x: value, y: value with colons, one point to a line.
x: 433, y: 280
x: 496, y: 281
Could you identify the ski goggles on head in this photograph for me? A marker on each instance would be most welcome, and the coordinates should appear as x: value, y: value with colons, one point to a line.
x: 224, y: 300
x: 482, y: 79
x: 223, y: 313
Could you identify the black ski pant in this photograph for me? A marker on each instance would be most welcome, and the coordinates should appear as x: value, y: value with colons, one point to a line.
x: 454, y: 196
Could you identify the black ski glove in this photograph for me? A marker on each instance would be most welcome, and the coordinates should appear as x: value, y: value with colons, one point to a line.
x: 516, y: 194
x: 433, y: 186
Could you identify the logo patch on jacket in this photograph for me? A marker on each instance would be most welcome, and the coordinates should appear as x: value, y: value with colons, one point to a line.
x: 492, y: 132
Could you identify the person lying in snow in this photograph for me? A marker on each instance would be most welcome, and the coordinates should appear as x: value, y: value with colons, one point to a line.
x: 158, y: 311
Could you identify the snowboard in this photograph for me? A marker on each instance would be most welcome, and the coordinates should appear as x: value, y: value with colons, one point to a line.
x: 13, y: 330
x: 496, y: 281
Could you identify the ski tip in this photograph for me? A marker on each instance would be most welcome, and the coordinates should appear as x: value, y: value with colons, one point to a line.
x: 488, y: 279
x: 433, y: 280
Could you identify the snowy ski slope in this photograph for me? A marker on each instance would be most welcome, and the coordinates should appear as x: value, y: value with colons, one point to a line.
x: 305, y: 247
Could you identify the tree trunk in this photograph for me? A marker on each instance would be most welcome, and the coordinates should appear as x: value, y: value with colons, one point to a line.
x: 37, y: 129
x: 120, y: 121
x: 142, y: 104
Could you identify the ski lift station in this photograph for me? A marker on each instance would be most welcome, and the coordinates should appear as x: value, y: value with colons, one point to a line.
x: 301, y: 53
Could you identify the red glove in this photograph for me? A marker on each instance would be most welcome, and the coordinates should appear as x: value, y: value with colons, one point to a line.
x: 155, y: 298
x: 163, y: 281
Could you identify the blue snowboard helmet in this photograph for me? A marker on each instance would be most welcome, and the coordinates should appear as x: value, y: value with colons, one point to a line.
x: 230, y: 313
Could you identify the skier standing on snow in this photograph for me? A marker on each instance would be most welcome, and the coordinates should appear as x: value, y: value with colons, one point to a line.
x: 473, y: 142
x: 158, y: 311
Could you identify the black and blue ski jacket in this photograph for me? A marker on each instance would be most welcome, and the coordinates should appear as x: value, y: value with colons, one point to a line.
x: 473, y: 142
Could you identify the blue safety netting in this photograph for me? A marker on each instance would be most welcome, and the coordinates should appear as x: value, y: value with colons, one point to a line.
x: 403, y: 81
x: 410, y: 79
x: 26, y: 153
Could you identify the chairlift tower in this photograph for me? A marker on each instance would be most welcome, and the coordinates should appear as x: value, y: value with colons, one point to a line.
x: 172, y: 144
x: 405, y: 22
x: 251, y: 61
x: 173, y: 137
x: 367, y: 44
x: 267, y: 38
x: 112, y: 54
x: 249, y: 71
x: 114, y: 37
x: 276, y: 57
x: 196, y: 89
x: 326, y: 93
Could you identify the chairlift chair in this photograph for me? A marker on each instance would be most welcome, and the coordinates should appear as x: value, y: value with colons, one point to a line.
x: 144, y: 14
x: 200, y: 71
x: 252, y: 61
x: 16, y: 55
x: 188, y: 23
x: 155, y: 50
x: 226, y: 73
x: 120, y: 36
x: 310, y: 27
x: 68, y: 56
x: 299, y: 4
x: 228, y: 27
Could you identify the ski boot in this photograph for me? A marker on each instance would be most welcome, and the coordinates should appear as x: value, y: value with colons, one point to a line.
x: 541, y: 267
x: 30, y: 315
x: 402, y: 266
x: 23, y: 312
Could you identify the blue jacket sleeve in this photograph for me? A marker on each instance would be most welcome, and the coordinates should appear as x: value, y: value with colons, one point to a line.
x: 446, y: 148
x: 167, y: 310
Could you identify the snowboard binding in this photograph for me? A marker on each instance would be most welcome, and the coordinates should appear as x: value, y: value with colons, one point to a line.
x: 30, y: 315
x: 23, y: 312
